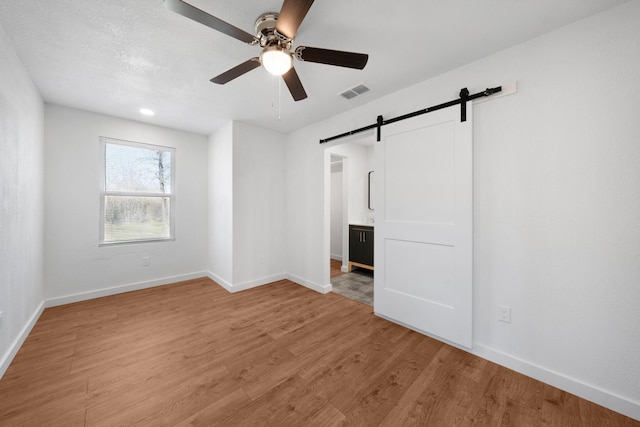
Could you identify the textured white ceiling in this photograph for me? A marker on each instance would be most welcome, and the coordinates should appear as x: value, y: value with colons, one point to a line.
x: 115, y: 57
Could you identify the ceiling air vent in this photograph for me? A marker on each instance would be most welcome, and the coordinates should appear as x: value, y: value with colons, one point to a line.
x: 354, y: 91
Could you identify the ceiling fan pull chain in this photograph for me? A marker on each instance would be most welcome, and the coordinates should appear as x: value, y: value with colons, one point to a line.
x: 279, y: 98
x: 274, y: 90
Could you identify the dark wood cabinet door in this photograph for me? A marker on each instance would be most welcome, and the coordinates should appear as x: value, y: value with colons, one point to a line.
x: 361, y: 244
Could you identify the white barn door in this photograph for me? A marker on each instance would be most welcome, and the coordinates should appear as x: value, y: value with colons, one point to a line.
x: 423, y: 230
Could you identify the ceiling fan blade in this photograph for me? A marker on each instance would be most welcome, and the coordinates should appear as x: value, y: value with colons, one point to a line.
x: 291, y: 15
x: 210, y: 21
x: 237, y: 71
x: 294, y: 84
x: 332, y: 57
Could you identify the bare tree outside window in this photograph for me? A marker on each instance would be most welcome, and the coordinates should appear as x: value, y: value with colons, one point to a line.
x: 138, y: 192
x: 164, y: 168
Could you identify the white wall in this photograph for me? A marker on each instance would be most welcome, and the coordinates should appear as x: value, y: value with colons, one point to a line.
x: 258, y: 206
x: 308, y: 217
x: 220, y: 255
x: 21, y: 198
x: 337, y: 209
x: 556, y: 216
x: 75, y: 266
x: 247, y: 206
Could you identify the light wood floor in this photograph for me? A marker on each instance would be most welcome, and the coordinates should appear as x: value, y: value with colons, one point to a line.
x: 279, y: 355
x: 336, y: 268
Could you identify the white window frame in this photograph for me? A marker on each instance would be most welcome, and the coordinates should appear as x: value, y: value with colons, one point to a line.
x: 103, y: 140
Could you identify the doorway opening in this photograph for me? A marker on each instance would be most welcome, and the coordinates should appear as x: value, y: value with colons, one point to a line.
x: 351, y: 218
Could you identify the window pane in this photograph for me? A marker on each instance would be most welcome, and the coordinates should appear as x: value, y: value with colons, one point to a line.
x: 136, y: 218
x: 137, y: 169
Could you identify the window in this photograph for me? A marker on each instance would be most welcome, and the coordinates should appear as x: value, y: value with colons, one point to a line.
x: 137, y: 197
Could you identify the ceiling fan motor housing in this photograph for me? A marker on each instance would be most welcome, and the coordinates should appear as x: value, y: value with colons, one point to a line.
x: 274, y: 45
x: 266, y: 31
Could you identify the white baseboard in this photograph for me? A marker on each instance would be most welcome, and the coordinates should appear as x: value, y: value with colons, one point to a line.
x: 337, y: 257
x: 265, y: 281
x: 563, y: 382
x: 255, y: 283
x: 307, y: 284
x: 83, y: 296
x: 246, y: 285
x: 220, y: 281
x: 7, y: 358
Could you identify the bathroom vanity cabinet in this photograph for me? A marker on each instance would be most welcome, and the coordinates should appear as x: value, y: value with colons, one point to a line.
x: 360, y: 246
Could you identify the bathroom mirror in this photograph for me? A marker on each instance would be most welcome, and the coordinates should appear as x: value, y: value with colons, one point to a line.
x: 370, y: 191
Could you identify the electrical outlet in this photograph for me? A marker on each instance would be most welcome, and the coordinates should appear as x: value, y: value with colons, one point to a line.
x: 504, y: 314
x: 146, y: 262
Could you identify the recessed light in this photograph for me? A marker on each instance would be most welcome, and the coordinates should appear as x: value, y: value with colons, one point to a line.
x: 147, y: 112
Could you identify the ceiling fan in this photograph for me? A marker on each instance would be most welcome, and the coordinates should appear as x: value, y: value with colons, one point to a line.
x: 275, y: 33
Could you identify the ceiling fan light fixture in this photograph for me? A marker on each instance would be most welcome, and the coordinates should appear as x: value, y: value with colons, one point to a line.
x: 274, y: 34
x: 276, y: 60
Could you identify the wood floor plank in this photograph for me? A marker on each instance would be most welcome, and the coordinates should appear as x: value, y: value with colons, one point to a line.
x: 384, y: 392
x: 323, y: 357
x: 595, y: 415
x: 44, y: 404
x: 149, y: 370
x: 169, y: 403
x: 524, y: 400
x: 331, y: 329
x: 288, y: 404
x: 335, y: 268
x: 342, y: 383
x: 50, y: 416
x: 440, y: 395
x: 490, y: 399
x: 560, y: 408
x: 192, y: 353
x: 218, y: 412
x: 47, y: 352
